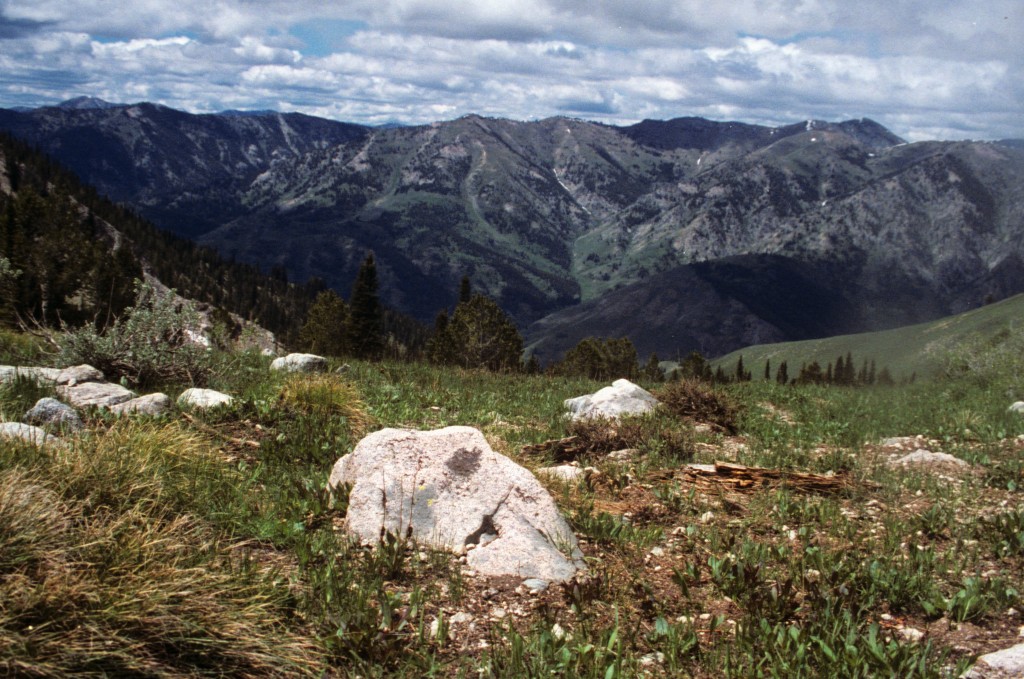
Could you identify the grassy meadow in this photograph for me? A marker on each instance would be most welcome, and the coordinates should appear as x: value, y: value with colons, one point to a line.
x: 205, y: 543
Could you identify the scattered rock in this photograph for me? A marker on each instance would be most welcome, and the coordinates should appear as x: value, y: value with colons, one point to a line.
x: 1017, y: 407
x: 927, y: 457
x: 9, y: 373
x: 300, y: 363
x: 26, y: 432
x: 535, y: 585
x: 565, y: 472
x: 150, y: 404
x: 1006, y: 663
x: 449, y: 489
x: 910, y: 634
x: 623, y: 455
x: 203, y: 398
x: 78, y: 374
x: 50, y: 411
x: 621, y: 398
x: 99, y: 394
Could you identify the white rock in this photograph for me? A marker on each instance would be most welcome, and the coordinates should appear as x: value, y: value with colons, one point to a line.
x: 449, y: 489
x: 1017, y: 407
x: 79, y: 373
x: 9, y: 373
x: 1008, y: 662
x: 621, y: 398
x: 150, y: 404
x: 26, y: 432
x: 564, y: 472
x: 203, y: 398
x: 911, y: 634
x: 99, y: 394
x: 306, y: 363
x: 925, y: 457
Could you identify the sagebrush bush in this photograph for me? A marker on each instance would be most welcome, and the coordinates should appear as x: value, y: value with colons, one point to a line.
x: 154, y: 340
x: 700, y: 402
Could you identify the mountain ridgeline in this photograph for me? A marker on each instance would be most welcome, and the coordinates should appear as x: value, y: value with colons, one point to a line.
x: 682, y: 234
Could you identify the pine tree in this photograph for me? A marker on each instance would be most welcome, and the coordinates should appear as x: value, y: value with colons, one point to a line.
x: 767, y: 370
x: 652, y: 371
x: 481, y: 335
x: 782, y: 376
x: 465, y: 290
x: 366, y: 316
x: 741, y: 374
x: 326, y: 323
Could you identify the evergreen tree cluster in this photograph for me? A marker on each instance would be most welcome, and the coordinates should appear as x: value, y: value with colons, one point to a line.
x: 600, y: 359
x: 74, y: 269
x: 478, y: 334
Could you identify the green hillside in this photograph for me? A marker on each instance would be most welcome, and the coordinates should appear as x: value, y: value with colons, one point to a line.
x: 921, y: 348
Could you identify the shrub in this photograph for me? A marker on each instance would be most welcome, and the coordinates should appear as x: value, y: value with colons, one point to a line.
x: 154, y: 340
x: 700, y: 402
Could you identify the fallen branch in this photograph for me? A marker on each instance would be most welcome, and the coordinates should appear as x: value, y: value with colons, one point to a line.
x: 206, y: 429
x: 737, y: 477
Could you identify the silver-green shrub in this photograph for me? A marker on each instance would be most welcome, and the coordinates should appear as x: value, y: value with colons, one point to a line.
x: 155, y: 340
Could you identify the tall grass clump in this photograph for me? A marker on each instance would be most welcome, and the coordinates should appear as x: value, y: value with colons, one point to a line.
x: 116, y: 559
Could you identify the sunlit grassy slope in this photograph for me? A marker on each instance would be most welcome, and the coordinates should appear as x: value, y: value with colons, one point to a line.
x: 922, y: 349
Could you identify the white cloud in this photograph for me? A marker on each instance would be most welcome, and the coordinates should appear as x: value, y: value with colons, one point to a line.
x: 943, y: 66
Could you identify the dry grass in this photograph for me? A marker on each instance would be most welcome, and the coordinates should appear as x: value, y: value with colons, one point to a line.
x: 700, y: 402
x: 108, y: 568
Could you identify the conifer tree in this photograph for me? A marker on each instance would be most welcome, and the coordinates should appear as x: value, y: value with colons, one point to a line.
x: 481, y: 335
x: 366, y: 316
x: 782, y: 376
x: 465, y: 290
x: 325, y: 329
x: 767, y: 370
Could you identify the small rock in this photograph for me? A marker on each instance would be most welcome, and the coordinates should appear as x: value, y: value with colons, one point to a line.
x: 706, y: 517
x: 565, y: 473
x: 461, y: 618
x: 50, y: 411
x: 305, y: 363
x: 498, y: 613
x: 203, y: 398
x: 557, y: 631
x: 1006, y: 663
x: 911, y: 634
x: 26, y: 432
x: 922, y: 456
x: 657, y: 551
x: 535, y: 584
x: 621, y: 398
x: 150, y: 404
x: 98, y: 394
x: 649, y: 659
x: 79, y: 374
x: 623, y: 455
x: 1017, y: 407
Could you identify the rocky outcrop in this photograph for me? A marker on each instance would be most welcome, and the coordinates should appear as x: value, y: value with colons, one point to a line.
x: 448, y: 488
x: 621, y: 398
x: 9, y: 373
x: 98, y: 394
x: 1003, y: 664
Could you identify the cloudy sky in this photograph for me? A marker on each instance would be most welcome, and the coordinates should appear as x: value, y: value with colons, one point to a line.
x: 927, y: 69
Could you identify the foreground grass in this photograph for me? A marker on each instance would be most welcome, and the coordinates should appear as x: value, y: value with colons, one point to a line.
x: 207, y: 544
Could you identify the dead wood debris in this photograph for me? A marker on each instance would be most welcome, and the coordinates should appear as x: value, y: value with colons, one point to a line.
x: 737, y: 477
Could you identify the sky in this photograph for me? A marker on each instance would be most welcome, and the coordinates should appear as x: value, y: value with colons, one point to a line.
x: 926, y: 69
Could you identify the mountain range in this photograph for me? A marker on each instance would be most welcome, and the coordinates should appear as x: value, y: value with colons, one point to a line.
x: 681, y: 234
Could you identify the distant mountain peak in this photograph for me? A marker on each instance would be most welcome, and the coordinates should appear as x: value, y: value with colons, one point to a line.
x: 86, y: 103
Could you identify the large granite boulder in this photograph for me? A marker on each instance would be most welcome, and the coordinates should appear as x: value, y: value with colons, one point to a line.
x: 305, y: 363
x: 150, y: 404
x: 98, y: 394
x: 26, y: 432
x: 203, y: 398
x: 51, y: 412
x: 449, y: 489
x: 621, y: 398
